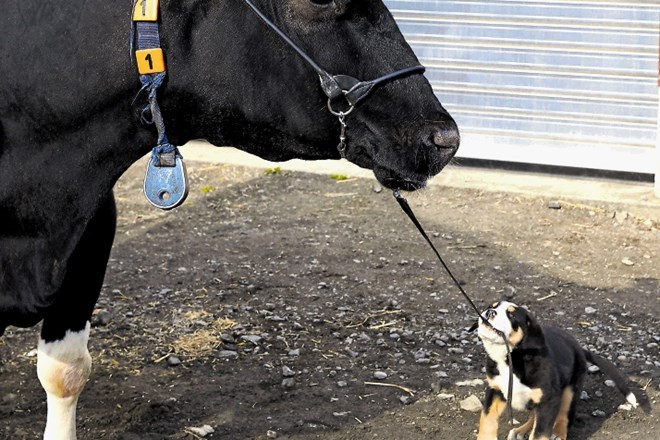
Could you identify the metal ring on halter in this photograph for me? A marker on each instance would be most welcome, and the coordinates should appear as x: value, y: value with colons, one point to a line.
x: 339, y: 113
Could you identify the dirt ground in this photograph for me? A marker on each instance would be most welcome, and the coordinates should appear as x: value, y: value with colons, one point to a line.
x: 298, y: 306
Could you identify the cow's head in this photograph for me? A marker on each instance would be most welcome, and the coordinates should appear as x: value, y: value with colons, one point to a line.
x: 236, y: 82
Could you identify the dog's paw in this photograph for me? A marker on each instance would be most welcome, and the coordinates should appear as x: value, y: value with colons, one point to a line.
x: 554, y: 437
x: 513, y: 436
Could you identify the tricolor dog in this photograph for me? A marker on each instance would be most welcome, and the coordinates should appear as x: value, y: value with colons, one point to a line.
x: 548, y: 371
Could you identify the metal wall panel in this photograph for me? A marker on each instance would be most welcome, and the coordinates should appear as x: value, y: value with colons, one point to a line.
x: 569, y: 83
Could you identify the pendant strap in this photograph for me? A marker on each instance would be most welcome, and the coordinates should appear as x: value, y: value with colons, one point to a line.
x: 164, y: 188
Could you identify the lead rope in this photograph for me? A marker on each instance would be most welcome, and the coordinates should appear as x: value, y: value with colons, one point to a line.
x: 411, y: 215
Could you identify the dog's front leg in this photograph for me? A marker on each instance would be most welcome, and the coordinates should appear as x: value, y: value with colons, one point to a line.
x: 546, y: 414
x: 519, y: 432
x: 493, y: 406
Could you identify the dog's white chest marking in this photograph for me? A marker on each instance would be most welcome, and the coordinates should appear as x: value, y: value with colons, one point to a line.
x: 522, y: 394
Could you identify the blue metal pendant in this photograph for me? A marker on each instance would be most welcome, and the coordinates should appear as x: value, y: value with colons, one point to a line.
x: 166, y: 185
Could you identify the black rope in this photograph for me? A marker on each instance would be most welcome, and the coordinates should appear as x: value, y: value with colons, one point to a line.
x: 411, y: 215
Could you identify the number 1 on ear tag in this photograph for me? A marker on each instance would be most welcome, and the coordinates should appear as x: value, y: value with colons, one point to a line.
x: 166, y: 185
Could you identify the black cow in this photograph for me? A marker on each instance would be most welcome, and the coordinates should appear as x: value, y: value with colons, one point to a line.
x: 70, y: 106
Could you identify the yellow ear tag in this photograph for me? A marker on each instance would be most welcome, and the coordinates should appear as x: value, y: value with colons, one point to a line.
x: 150, y: 61
x: 146, y: 10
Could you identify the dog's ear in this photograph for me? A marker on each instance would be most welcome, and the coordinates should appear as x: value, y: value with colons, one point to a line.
x: 474, y: 327
x: 532, y: 324
x: 534, y: 337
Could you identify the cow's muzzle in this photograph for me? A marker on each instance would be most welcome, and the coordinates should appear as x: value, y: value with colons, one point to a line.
x: 431, y: 150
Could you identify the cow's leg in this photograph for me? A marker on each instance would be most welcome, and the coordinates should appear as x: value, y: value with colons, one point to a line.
x: 63, y: 367
x: 64, y: 363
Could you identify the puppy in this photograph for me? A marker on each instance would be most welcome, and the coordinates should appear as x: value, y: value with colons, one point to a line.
x: 548, y: 371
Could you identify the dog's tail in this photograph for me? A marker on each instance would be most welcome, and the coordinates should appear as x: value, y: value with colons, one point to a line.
x: 610, y: 369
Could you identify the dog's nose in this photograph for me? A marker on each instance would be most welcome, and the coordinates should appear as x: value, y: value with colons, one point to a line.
x: 490, y: 314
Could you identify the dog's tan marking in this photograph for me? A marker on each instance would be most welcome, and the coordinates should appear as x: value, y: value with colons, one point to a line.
x: 526, y: 427
x: 561, y: 423
x: 511, y: 309
x: 516, y: 336
x: 488, y: 422
x: 535, y: 395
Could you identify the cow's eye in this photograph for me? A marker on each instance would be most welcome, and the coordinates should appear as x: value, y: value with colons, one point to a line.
x: 322, y: 2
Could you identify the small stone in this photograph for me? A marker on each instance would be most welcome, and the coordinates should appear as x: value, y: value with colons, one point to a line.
x: 445, y: 396
x: 380, y: 375
x: 287, y: 372
x: 406, y: 400
x: 351, y: 353
x: 275, y: 318
x: 593, y: 369
x: 295, y: 352
x: 554, y: 204
x: 288, y: 382
x: 621, y: 216
x: 471, y: 404
x: 271, y: 434
x: 201, y: 431
x: 341, y: 414
x: 377, y: 188
x: 342, y: 384
x: 227, y: 354
x: 255, y: 339
x: 598, y: 413
x: 589, y: 310
x: 470, y: 383
x: 610, y: 383
x: 628, y: 262
x: 9, y: 397
x: 173, y: 361
x: 101, y: 318
x: 584, y: 395
x: 227, y: 338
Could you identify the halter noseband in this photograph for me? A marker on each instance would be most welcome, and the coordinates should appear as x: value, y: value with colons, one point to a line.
x: 335, y: 86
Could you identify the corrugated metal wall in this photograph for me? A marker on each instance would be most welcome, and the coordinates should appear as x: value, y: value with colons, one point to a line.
x: 570, y: 83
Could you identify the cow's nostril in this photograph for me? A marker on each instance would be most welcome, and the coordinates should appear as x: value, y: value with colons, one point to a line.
x: 446, y: 138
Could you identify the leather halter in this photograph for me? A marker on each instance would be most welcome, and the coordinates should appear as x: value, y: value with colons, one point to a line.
x: 335, y: 86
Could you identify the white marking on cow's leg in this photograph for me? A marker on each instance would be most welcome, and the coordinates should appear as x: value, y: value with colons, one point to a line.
x: 63, y: 368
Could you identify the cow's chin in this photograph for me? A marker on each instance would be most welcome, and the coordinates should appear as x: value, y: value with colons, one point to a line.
x: 395, y: 181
